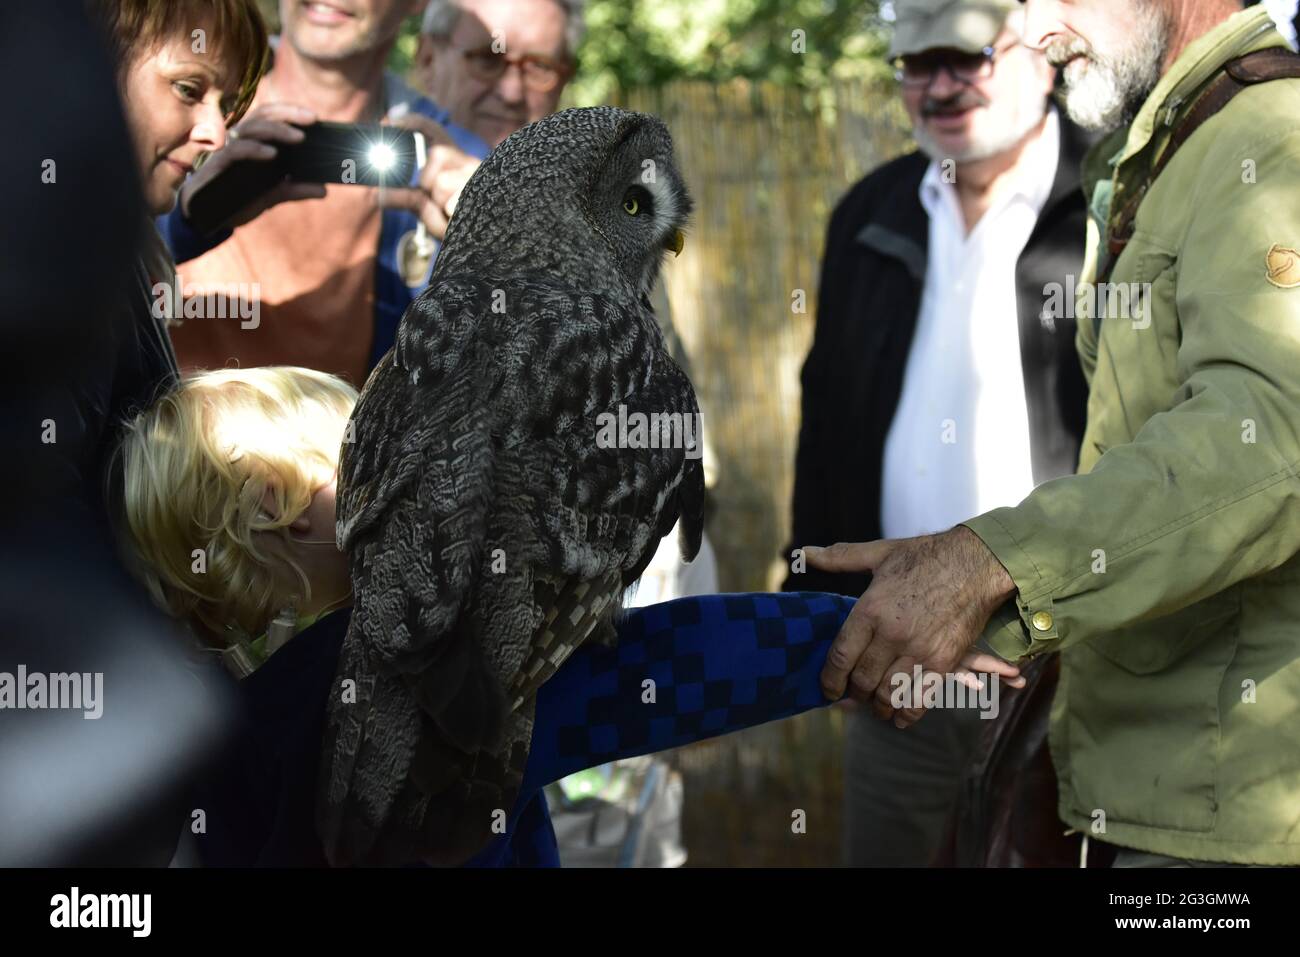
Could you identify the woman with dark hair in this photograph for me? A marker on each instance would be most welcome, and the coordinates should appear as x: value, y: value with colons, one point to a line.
x: 186, y: 71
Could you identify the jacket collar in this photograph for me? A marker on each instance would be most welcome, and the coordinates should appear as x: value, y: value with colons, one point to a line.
x: 1075, y: 144
x: 899, y: 226
x: 1241, y: 33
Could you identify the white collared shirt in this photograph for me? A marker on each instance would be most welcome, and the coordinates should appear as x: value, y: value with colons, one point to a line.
x: 959, y: 442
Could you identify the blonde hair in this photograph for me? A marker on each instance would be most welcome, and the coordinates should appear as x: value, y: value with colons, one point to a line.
x: 195, y: 468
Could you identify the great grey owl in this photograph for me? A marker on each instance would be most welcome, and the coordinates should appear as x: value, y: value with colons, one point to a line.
x: 489, y: 531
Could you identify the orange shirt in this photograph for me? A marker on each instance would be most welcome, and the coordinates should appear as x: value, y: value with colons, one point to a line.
x: 302, y: 277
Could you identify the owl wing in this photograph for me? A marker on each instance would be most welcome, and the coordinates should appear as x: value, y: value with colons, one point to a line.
x: 414, y: 486
x: 385, y: 451
x: 680, y: 471
x: 610, y: 504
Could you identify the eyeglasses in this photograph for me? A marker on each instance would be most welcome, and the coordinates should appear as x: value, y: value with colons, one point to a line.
x: 918, y: 70
x: 541, y: 73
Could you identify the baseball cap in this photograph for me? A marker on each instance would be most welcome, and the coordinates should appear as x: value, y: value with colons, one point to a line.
x: 968, y: 25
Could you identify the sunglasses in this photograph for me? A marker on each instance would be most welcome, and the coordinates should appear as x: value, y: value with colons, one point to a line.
x: 919, y: 69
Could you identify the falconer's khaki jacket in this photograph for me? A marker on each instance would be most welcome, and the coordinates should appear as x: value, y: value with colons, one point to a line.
x: 1166, y: 572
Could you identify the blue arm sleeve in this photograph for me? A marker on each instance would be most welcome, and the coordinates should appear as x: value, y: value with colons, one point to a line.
x: 684, y: 671
x: 184, y: 241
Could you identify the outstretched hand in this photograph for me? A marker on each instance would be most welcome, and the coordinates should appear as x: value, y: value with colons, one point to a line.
x: 928, y: 603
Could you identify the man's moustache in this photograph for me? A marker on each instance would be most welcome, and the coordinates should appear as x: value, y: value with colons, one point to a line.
x: 1059, y: 54
x: 940, y: 108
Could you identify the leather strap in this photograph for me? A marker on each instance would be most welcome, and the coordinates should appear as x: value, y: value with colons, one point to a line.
x: 1275, y: 63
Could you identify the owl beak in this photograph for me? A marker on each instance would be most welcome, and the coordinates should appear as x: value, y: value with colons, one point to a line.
x: 676, y: 242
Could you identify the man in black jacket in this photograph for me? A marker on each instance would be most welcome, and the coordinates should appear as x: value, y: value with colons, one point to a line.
x: 940, y: 383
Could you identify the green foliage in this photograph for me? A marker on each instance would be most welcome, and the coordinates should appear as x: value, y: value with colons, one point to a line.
x: 402, y: 57
x: 648, y: 43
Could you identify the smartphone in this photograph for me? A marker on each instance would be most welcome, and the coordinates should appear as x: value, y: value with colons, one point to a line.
x: 352, y: 153
x: 345, y: 153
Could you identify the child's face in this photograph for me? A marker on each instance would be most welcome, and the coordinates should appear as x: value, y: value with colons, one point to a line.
x: 326, y: 566
x: 310, y: 543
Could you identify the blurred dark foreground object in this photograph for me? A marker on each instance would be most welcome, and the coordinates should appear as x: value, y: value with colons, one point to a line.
x: 1006, y: 812
x: 76, y: 790
x: 71, y: 215
x: 98, y: 791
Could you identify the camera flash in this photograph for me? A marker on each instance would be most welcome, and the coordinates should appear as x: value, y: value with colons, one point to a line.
x: 381, y: 156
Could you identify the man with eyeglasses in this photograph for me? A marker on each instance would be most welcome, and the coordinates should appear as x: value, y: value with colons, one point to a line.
x: 938, y: 385
x: 495, y: 66
x: 498, y: 65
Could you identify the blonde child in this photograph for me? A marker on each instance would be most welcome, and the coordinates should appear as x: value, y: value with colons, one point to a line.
x: 228, y: 504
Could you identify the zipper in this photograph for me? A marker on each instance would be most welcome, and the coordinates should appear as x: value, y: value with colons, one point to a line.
x: 1171, y: 109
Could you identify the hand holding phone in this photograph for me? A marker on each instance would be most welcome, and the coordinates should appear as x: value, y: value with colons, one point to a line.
x: 445, y: 170
x: 316, y: 153
x: 249, y: 155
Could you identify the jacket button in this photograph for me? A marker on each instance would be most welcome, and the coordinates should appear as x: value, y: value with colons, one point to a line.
x: 1042, y: 621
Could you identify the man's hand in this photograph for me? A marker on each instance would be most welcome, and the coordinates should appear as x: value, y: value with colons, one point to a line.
x: 446, y: 171
x: 927, y: 604
x: 252, y: 139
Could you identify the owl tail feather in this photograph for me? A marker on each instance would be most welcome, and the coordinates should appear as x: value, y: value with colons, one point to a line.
x: 362, y: 771
x: 404, y: 787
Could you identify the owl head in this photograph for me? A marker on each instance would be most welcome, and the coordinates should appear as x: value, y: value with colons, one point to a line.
x: 592, y: 197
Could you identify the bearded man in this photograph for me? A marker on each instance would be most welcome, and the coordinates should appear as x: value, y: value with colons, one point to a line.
x: 1166, y: 573
x: 937, y: 385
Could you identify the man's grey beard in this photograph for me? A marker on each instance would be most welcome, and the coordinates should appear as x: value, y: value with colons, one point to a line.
x: 1115, y: 85
x: 1032, y: 110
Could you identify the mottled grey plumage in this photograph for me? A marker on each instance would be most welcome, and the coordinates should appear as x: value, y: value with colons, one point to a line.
x: 475, y: 450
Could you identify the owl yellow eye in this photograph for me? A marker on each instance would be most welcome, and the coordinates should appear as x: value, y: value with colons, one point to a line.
x: 631, y: 206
